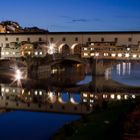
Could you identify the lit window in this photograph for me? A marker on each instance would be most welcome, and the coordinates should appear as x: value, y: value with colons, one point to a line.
x: 92, y: 54
x: 13, y: 53
x: 113, y: 54
x: 85, y: 54
x: 84, y: 95
x: 85, y: 49
x: 128, y: 49
x: 96, y: 54
x: 119, y: 55
x: 14, y: 90
x: 40, y: 53
x: 91, y: 95
x: 2, y: 89
x: 105, y: 54
x: 2, y: 53
x: 36, y: 53
x: 29, y: 52
x: 134, y: 55
x: 127, y: 55
x: 7, y: 53
x: 7, y: 90
x: 92, y: 44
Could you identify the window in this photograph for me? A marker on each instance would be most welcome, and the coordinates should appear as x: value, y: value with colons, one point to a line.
x: 17, y: 39
x: 6, y: 39
x: 51, y: 39
x: 129, y: 39
x: 102, y: 39
x: 7, y: 45
x: 76, y: 39
x: 40, y: 39
x: 63, y: 39
x: 116, y: 39
x: 28, y: 39
x: 89, y: 39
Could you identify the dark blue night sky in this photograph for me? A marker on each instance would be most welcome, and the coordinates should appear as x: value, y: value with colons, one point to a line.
x: 74, y: 15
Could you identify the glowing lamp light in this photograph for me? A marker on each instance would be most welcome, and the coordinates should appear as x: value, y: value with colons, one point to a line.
x: 18, y: 75
x: 51, y: 49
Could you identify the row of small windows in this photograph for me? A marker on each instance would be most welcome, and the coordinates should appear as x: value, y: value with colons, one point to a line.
x: 115, y: 39
x: 64, y: 39
x: 28, y: 39
x: 89, y: 39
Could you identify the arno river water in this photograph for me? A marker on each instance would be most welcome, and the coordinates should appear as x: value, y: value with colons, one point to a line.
x: 16, y: 124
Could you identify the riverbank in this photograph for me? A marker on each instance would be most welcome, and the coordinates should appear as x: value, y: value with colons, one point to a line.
x: 132, y: 125
x: 104, y: 123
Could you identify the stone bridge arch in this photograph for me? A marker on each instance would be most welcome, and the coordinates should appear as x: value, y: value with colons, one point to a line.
x: 76, y: 49
x: 64, y: 49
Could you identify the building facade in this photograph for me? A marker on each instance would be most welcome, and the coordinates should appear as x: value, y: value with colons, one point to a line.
x: 67, y: 43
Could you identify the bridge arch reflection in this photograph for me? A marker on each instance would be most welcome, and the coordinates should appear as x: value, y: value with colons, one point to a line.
x: 84, y: 102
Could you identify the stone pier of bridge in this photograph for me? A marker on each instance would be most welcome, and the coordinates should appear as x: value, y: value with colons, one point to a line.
x: 99, y: 66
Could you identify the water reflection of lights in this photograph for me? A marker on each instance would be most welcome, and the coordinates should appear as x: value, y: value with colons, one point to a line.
x: 73, y: 101
x: 119, y: 97
x: 108, y: 73
x: 119, y: 69
x: 104, y: 96
x: 51, y: 97
x: 125, y: 97
x: 133, y: 96
x: 112, y: 96
x: 124, y: 68
x: 84, y: 95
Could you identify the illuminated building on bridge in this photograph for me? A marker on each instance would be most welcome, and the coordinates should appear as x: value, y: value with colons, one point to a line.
x: 68, y: 43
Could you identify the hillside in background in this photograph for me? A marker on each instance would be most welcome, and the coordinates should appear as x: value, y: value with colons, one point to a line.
x: 14, y: 27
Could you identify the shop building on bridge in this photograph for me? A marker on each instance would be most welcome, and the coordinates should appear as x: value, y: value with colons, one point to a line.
x: 68, y: 43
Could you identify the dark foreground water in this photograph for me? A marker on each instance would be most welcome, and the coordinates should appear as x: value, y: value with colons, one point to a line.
x: 22, y: 125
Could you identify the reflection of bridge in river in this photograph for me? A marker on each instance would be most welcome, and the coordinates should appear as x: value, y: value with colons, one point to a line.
x: 15, y: 98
